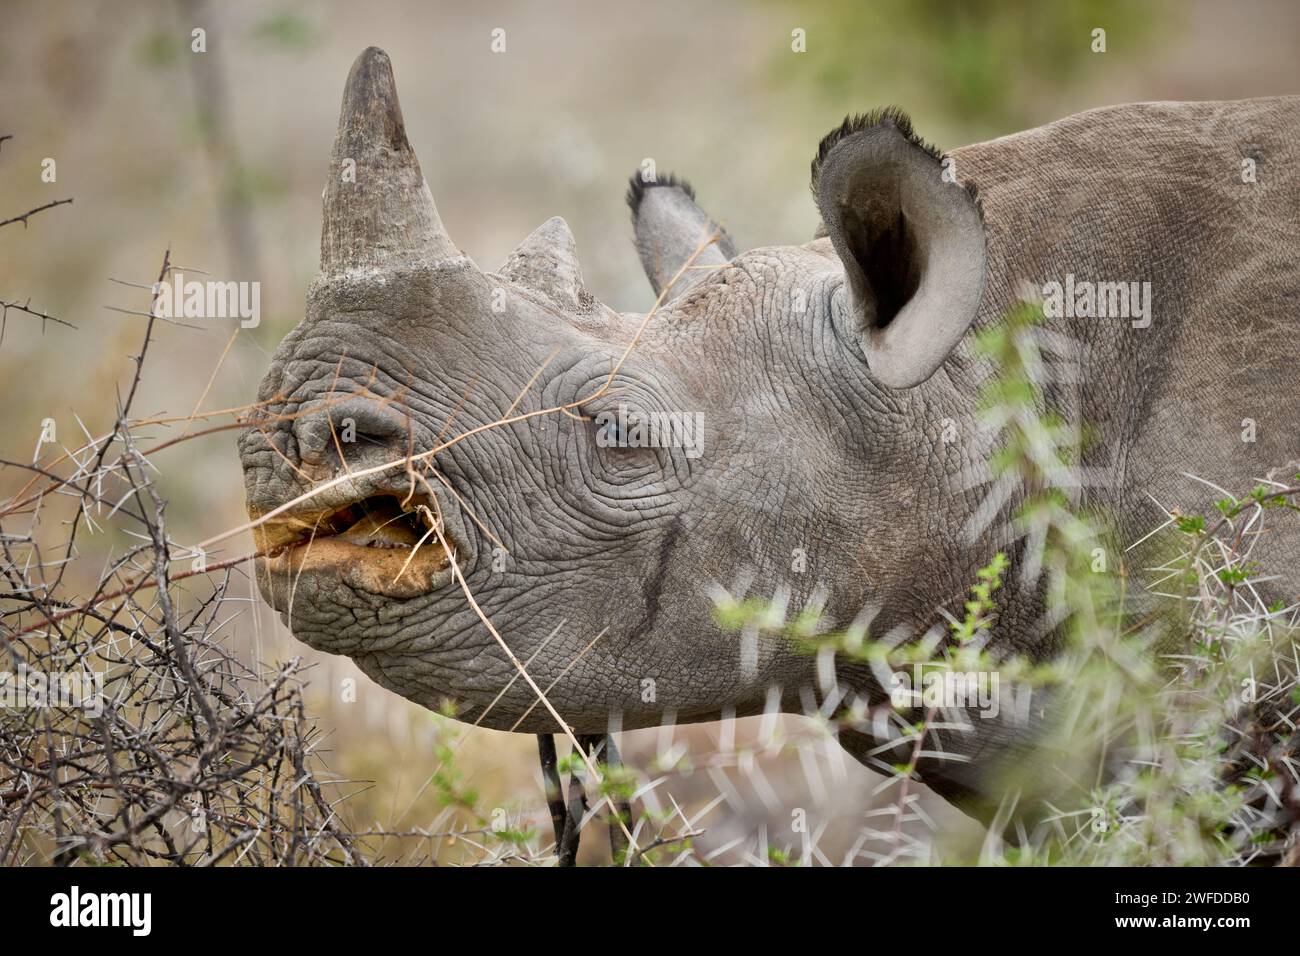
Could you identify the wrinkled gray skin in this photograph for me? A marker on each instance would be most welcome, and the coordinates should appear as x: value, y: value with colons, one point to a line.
x: 822, y: 425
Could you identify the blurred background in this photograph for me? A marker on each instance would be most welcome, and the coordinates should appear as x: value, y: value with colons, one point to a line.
x: 221, y: 156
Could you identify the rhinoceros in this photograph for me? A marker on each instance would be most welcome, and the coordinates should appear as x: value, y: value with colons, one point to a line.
x: 804, y: 392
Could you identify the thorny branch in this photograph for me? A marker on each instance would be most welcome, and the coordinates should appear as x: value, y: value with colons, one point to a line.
x: 191, y: 756
x: 26, y: 307
x: 31, y: 212
x: 139, y: 736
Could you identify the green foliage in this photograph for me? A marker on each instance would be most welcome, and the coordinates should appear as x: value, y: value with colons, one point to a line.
x: 1165, y: 734
x: 446, y: 780
x: 248, y: 185
x: 976, y: 61
x: 160, y: 49
x: 286, y: 29
x: 1163, y: 707
x: 980, y: 606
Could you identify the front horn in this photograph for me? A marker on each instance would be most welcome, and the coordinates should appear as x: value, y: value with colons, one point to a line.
x: 378, y: 212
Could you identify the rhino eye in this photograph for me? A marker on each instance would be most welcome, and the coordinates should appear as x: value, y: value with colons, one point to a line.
x: 610, y: 433
x: 610, y: 428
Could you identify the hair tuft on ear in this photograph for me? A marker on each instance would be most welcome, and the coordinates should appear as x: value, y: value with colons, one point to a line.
x: 860, y: 122
x: 857, y: 123
x: 668, y: 228
x: 911, y: 241
x: 638, y: 187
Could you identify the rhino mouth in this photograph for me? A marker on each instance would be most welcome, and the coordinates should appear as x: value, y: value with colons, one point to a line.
x: 385, y: 543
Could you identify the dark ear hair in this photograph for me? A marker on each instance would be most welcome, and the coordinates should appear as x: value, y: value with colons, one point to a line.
x: 668, y: 228
x: 911, y: 241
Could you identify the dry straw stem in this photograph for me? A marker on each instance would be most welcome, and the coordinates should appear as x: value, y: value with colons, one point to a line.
x: 436, y: 528
x: 503, y: 420
x: 550, y: 708
x: 57, y: 482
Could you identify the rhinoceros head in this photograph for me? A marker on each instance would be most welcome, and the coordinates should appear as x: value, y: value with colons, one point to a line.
x: 594, y: 474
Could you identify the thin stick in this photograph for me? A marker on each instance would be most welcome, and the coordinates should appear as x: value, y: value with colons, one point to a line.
x: 31, y: 212
x: 555, y: 714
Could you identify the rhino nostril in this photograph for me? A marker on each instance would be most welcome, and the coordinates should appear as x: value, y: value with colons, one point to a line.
x: 348, y: 430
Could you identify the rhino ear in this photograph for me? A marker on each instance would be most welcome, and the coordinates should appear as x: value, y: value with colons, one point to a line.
x: 912, y: 244
x: 669, y: 227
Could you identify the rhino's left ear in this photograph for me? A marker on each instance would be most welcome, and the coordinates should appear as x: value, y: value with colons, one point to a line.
x: 911, y: 240
x: 669, y: 228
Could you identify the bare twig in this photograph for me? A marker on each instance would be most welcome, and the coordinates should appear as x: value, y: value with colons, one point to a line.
x: 31, y: 212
